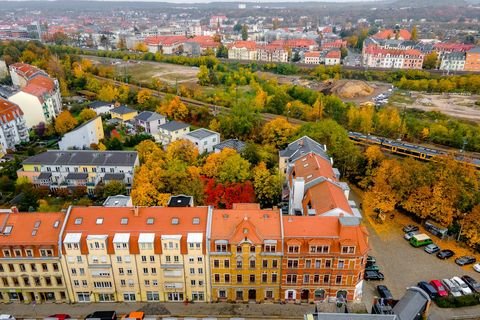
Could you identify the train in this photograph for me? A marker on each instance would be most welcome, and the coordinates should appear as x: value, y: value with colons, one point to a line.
x: 409, y: 149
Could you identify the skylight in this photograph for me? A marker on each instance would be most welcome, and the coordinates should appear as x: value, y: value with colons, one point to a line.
x: 78, y: 221
x: 150, y: 220
x: 7, y: 230
x: 124, y: 221
x: 196, y: 221
x: 56, y: 224
x: 37, y: 224
x: 175, y: 221
x: 99, y: 221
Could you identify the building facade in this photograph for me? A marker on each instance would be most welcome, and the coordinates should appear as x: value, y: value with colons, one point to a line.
x: 203, y: 139
x: 245, y: 251
x: 123, y: 113
x: 472, y: 60
x: 453, y: 61
x: 80, y: 168
x: 30, y: 260
x: 172, y: 131
x: 13, y: 129
x: 150, y: 121
x: 90, y: 132
x: 243, y: 50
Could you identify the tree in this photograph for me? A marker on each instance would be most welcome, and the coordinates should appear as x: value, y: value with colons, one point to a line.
x: 114, y: 144
x: 142, y: 47
x: 296, y: 56
x: 148, y: 150
x: 144, y: 96
x: 223, y: 196
x: 471, y: 228
x: 222, y: 51
x: 183, y: 150
x: 203, y: 78
x: 114, y: 188
x: 430, y: 60
x: 107, y: 93
x: 278, y: 132
x: 87, y: 114
x: 174, y: 108
x: 268, y: 185
x: 226, y: 166
x: 65, y: 122
x: 414, y: 33
x: 261, y: 99
x: 244, y: 32
x: 28, y: 195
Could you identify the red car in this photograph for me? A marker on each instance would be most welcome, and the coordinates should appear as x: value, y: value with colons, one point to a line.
x: 59, y: 316
x: 439, y: 287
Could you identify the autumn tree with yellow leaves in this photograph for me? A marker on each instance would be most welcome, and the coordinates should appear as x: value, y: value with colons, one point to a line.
x: 107, y: 93
x: 278, y: 132
x: 174, y: 108
x: 87, y: 114
x: 65, y: 122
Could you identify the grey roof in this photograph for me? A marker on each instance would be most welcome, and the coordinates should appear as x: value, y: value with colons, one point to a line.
x: 180, y: 201
x: 303, y: 146
x: 123, y: 110
x: 76, y: 176
x: 44, y: 176
x: 411, y: 304
x: 148, y: 116
x: 99, y: 104
x: 474, y: 50
x: 174, y: 125
x: 84, y: 157
x: 201, y: 133
x: 117, y: 201
x: 353, y: 316
x: 114, y: 176
x: 235, y: 144
x: 455, y: 56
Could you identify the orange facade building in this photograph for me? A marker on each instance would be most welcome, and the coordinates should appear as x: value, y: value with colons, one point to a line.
x: 472, y: 60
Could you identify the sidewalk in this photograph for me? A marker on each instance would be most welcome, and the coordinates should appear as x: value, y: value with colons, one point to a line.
x: 178, y: 310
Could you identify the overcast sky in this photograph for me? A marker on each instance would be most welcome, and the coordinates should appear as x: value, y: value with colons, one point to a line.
x: 207, y: 1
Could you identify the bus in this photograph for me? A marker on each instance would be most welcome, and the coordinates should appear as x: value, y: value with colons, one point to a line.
x: 420, y: 240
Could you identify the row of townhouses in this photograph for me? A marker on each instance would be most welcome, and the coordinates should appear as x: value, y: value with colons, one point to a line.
x: 315, y: 252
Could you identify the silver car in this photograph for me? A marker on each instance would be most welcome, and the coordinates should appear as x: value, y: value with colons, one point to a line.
x: 452, y: 287
x: 463, y: 286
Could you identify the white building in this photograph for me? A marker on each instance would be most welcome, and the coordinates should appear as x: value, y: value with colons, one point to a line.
x: 312, y: 57
x: 453, y: 61
x: 91, y: 132
x: 150, y: 121
x: 243, y: 50
x: 39, y: 95
x: 101, y: 107
x: 172, y: 131
x: 204, y: 139
x: 3, y: 69
x: 13, y: 129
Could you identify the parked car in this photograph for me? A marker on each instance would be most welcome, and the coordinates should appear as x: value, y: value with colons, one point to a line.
x: 476, y: 267
x: 59, y: 316
x: 442, y: 292
x: 371, y: 260
x: 445, y: 254
x: 428, y: 288
x: 134, y: 315
x: 409, y: 235
x: 102, y: 315
x: 472, y: 283
x: 453, y: 288
x: 431, y: 248
x: 409, y: 228
x: 372, y: 267
x: 373, y: 275
x: 384, y: 293
x: 463, y: 286
x: 464, y: 260
x: 6, y: 317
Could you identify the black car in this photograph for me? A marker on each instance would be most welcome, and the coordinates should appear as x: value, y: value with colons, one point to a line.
x: 472, y: 283
x: 445, y: 254
x: 428, y: 288
x: 373, y: 275
x: 384, y: 293
x: 102, y: 315
x: 464, y: 260
x: 371, y: 260
x: 409, y: 228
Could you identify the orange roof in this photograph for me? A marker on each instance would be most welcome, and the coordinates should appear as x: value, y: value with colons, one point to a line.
x: 204, y: 41
x: 245, y: 221
x: 251, y: 45
x: 137, y: 223
x: 8, y: 111
x: 341, y: 230
x: 25, y: 70
x: 165, y: 40
x: 326, y: 196
x: 39, y: 86
x: 312, y: 54
x: 390, y: 34
x: 374, y: 50
x: 334, y: 54
x: 295, y: 43
x: 23, y: 224
x: 312, y: 166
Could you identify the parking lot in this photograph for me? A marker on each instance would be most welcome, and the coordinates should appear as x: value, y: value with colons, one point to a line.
x: 404, y: 266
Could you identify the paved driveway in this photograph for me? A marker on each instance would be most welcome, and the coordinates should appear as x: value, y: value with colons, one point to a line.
x: 404, y: 266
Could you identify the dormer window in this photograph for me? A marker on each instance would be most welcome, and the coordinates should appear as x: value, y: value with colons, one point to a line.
x: 78, y: 221
x: 99, y: 221
x: 348, y: 249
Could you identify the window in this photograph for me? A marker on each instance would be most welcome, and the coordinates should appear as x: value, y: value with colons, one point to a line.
x: 6, y: 253
x: 48, y: 281
x: 147, y: 283
x: 226, y: 263
x: 200, y: 270
x: 168, y: 259
x: 222, y: 294
x: 274, y: 263
x: 192, y: 270
x: 153, y: 270
x: 338, y: 280
x: 216, y: 278
x: 348, y: 250
x: 121, y: 271
x: 252, y: 278
x: 78, y: 221
x: 239, y: 264
x: 216, y: 263
x: 291, y: 278
x: 292, y: 263
x: 193, y: 282
x: 293, y: 249
x: 153, y: 296
x: 316, y: 278
x: 226, y: 278
x: 17, y: 252
x: 252, y: 249
x: 252, y: 264
x: 46, y: 252
x: 29, y: 252
x: 239, y: 278
x: 144, y: 258
x: 306, y: 278
x: 76, y: 283
x: 239, y: 249
x: 124, y: 221
x: 264, y: 277
x: 328, y: 263
x: 123, y: 283
x: 22, y: 267
x: 221, y: 248
x: 33, y: 267
x: 196, y: 221
x: 145, y: 270
x: 319, y: 249
x: 269, y: 294
x: 176, y: 259
x: 129, y: 297
x: 341, y: 264
x: 126, y: 259
x: 318, y: 264
x: 175, y: 221
x: 11, y: 267
x: 119, y: 259
x: 150, y: 220
x: 200, y: 259
x: 308, y: 264
x: 154, y: 283
x: 326, y: 278
x: 265, y: 263
x: 44, y: 267
x: 1, y: 268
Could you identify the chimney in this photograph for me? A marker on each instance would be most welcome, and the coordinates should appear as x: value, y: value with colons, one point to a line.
x: 135, y: 211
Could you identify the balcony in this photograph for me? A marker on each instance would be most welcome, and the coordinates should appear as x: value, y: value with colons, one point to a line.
x: 172, y: 265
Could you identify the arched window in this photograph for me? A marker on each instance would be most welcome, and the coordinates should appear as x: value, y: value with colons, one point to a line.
x: 319, y: 294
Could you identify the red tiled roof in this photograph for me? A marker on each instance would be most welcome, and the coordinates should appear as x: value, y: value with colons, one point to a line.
x: 137, y: 223
x: 313, y: 166
x: 246, y: 221
x: 312, y: 54
x: 8, y: 111
x: 295, y: 43
x: 204, y: 41
x: 334, y: 54
x: 25, y: 70
x: 165, y: 40
x: 390, y: 34
x: 374, y: 50
x: 453, y: 47
x: 250, y: 45
x: 326, y: 196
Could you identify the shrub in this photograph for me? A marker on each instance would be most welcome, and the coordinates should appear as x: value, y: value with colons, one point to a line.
x: 458, y: 302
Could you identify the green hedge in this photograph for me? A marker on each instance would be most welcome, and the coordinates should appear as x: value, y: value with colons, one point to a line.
x: 457, y: 302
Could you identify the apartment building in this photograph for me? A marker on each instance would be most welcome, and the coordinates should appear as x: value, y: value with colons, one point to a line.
x: 376, y: 57
x: 245, y: 251
x: 38, y: 96
x: 30, y: 260
x: 150, y: 121
x: 79, y: 168
x: 82, y: 137
x: 453, y: 61
x: 172, y: 131
x: 136, y: 254
x: 203, y: 139
x: 312, y: 57
x: 165, y: 44
x: 243, y: 50
x: 13, y: 129
x: 472, y: 61
x: 123, y: 113
x: 272, y: 53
